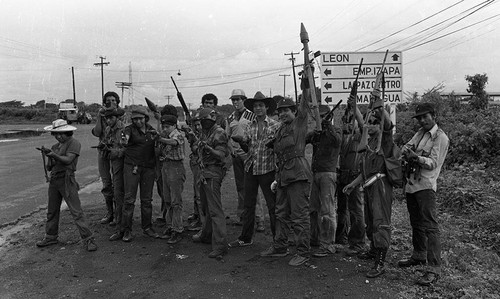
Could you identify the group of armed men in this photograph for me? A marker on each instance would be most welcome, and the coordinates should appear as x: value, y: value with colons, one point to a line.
x: 345, y: 195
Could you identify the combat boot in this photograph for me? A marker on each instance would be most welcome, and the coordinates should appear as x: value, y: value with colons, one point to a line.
x: 378, y: 268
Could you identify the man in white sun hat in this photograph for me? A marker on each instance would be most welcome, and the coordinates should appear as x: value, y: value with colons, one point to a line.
x: 63, y: 158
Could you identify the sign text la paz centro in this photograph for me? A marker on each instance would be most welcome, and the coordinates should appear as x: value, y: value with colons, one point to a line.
x: 339, y: 70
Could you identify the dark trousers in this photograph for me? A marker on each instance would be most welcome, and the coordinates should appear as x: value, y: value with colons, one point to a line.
x: 252, y: 183
x: 195, y: 169
x: 118, y: 188
x: 378, y: 209
x: 104, y: 167
x: 292, y: 209
x: 214, y: 227
x: 144, y: 181
x: 350, y: 213
x: 239, y: 179
x: 60, y: 188
x: 425, y: 228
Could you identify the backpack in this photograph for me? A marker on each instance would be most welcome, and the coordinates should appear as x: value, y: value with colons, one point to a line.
x: 394, y: 168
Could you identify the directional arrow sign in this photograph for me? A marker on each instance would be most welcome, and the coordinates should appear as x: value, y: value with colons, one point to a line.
x: 341, y: 68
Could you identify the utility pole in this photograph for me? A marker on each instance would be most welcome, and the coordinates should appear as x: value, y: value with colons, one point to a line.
x: 102, y: 63
x: 73, y: 79
x: 284, y: 83
x: 122, y: 86
x: 293, y: 69
x: 130, y: 90
x: 168, y: 98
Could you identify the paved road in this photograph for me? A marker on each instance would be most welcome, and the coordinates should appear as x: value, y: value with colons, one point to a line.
x: 22, y: 182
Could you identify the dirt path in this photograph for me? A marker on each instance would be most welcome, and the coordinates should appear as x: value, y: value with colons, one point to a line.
x: 147, y: 268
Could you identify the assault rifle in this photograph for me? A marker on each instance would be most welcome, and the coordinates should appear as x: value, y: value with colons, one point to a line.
x: 329, y: 115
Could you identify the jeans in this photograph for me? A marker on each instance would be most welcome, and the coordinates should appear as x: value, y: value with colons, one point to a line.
x: 60, y: 188
x: 292, y: 209
x: 252, y: 183
x: 214, y: 226
x: 118, y: 188
x: 322, y: 204
x: 174, y: 176
x: 143, y: 180
x: 425, y: 235
x: 350, y: 211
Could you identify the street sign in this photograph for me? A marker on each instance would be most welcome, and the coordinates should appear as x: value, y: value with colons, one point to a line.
x: 339, y: 70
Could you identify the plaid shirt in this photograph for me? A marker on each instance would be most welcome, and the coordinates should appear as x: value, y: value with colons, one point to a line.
x: 173, y: 152
x: 260, y: 156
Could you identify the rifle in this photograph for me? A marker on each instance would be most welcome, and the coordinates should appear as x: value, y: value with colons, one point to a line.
x: 308, y: 74
x: 329, y: 115
x: 44, y: 152
x: 183, y: 103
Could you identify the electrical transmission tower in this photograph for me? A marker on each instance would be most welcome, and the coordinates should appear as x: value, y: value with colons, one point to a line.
x: 102, y: 64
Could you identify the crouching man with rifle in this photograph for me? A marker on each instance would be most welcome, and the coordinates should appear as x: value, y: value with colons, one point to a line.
x: 63, y: 158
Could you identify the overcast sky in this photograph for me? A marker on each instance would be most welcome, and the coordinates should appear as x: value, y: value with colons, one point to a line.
x: 221, y: 45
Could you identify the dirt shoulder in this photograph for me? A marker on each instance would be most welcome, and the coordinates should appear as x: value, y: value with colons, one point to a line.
x: 150, y: 268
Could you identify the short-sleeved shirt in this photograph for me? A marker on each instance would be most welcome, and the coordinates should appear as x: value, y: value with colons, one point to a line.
x: 140, y: 149
x: 70, y: 146
x: 173, y: 152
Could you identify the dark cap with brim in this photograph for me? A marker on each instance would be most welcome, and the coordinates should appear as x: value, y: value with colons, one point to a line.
x: 423, y: 108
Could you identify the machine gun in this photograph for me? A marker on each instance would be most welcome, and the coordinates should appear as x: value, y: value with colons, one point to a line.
x: 183, y: 103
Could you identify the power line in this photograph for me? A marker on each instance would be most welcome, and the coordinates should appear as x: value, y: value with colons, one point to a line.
x: 447, y: 34
x: 446, y: 26
x: 410, y: 26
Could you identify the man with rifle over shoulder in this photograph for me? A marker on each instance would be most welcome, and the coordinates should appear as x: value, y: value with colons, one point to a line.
x: 424, y: 156
x: 326, y: 148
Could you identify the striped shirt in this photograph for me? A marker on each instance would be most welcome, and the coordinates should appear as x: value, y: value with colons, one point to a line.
x: 238, y: 124
x: 173, y: 152
x: 260, y: 156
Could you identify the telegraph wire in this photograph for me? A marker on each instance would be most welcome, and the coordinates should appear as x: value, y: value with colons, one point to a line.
x: 446, y: 26
x: 410, y: 26
x: 447, y: 34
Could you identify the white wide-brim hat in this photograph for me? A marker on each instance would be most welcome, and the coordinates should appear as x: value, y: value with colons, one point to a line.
x: 59, y: 125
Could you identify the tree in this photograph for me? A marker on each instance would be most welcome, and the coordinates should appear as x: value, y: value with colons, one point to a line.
x: 12, y: 104
x: 477, y: 83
